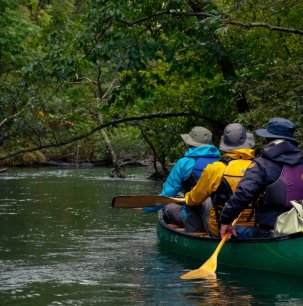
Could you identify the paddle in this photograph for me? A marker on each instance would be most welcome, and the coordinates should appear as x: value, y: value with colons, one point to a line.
x: 143, y: 200
x: 210, y: 266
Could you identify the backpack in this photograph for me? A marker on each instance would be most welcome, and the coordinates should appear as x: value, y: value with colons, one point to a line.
x: 290, y: 221
x: 233, y: 173
x: 200, y: 163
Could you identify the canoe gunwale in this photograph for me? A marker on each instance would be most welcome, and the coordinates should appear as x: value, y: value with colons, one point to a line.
x: 233, y: 241
x: 278, y: 254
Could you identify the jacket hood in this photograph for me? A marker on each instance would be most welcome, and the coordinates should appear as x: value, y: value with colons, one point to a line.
x: 241, y: 154
x: 207, y: 151
x: 284, y: 152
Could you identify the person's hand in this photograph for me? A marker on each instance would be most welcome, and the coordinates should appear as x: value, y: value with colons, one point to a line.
x: 227, y: 229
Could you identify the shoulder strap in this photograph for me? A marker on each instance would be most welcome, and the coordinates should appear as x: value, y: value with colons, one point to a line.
x: 225, y: 160
x: 200, y: 163
x: 234, y: 171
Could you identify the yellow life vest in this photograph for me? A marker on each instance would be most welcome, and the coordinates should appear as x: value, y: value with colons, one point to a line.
x: 233, y: 173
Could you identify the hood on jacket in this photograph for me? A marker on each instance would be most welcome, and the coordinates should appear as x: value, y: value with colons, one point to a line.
x: 284, y: 152
x: 241, y: 154
x: 207, y: 151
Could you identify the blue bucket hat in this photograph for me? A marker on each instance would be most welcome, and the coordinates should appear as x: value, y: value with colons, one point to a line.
x: 278, y: 128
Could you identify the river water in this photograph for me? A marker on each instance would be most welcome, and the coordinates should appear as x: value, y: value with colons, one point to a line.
x: 61, y: 243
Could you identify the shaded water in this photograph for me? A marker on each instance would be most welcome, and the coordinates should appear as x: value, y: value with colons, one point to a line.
x: 61, y: 243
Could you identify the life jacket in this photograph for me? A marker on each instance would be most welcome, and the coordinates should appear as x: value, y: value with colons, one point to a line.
x: 288, y: 187
x: 233, y: 173
x: 200, y: 164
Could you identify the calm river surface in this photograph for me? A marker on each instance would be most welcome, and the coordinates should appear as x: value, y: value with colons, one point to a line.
x: 61, y: 243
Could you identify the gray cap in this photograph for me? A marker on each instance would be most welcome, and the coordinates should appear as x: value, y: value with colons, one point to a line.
x: 197, y: 137
x: 235, y: 137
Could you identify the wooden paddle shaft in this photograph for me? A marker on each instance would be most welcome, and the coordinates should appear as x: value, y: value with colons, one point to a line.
x: 143, y: 200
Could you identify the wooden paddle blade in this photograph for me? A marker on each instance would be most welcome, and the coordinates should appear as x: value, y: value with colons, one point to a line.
x: 210, y: 266
x: 144, y: 200
x: 207, y: 269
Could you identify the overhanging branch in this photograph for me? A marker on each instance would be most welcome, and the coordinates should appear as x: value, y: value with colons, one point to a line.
x: 220, y: 125
x: 264, y: 25
x: 224, y: 18
x: 12, y: 117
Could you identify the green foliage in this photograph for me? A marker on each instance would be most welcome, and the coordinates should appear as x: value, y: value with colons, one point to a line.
x: 16, y: 29
x: 128, y: 143
x: 66, y: 64
x: 29, y: 159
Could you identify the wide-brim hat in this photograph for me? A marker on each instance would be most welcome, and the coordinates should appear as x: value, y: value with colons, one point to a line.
x: 235, y: 137
x: 198, y: 137
x: 278, y: 128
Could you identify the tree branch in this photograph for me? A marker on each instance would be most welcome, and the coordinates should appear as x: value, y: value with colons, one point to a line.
x: 14, y: 116
x: 225, y: 19
x: 220, y: 125
x: 264, y: 25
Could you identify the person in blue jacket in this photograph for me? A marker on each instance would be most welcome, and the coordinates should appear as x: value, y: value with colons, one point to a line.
x: 187, y: 170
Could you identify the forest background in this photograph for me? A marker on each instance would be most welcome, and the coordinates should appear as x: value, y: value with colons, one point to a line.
x: 119, y: 81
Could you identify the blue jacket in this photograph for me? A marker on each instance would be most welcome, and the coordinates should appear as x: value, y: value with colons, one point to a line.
x: 183, y: 169
x: 264, y: 171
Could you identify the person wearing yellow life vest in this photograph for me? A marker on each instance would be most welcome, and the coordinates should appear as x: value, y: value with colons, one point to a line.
x: 216, y: 184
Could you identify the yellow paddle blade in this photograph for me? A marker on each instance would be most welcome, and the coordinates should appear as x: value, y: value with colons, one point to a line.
x: 207, y: 269
x: 210, y: 266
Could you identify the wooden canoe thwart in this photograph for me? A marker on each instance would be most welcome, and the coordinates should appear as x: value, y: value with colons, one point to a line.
x: 143, y: 200
x: 281, y: 254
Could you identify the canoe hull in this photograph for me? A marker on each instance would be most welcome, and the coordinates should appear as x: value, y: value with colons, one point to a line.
x: 283, y: 254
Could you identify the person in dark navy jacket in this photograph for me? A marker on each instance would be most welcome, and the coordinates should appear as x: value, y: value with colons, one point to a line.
x: 272, y: 181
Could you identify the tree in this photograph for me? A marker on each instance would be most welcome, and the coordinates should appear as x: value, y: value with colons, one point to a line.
x: 69, y: 69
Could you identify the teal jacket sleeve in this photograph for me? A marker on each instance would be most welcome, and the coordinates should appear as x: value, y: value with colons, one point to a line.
x: 179, y: 173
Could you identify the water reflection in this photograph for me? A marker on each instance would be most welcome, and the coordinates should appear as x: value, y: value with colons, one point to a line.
x: 246, y: 287
x: 213, y: 291
x: 61, y: 243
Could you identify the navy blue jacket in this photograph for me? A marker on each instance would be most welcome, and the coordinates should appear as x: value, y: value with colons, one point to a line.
x: 264, y: 171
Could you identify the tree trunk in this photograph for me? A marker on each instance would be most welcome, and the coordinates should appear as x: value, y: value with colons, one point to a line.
x: 157, y: 174
x: 224, y: 63
x: 118, y: 169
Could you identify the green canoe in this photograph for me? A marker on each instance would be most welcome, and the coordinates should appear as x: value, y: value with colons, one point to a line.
x: 282, y: 254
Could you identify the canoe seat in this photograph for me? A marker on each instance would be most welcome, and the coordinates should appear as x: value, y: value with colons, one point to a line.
x: 173, y: 225
x: 199, y: 234
x: 176, y: 227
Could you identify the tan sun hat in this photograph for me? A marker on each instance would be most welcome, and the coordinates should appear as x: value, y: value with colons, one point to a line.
x: 197, y: 137
x: 235, y: 137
